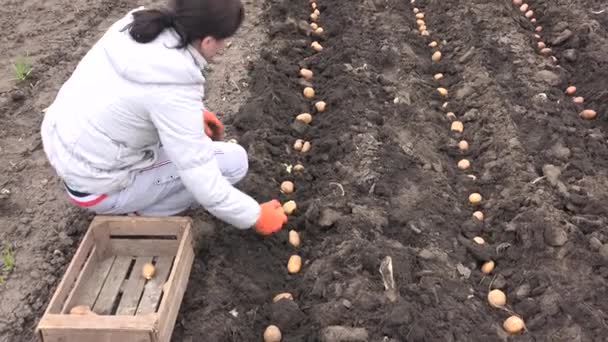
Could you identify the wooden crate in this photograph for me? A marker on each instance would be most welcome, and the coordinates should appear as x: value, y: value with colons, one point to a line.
x: 106, y: 275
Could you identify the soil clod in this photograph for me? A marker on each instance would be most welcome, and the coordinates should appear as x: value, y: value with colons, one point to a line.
x: 562, y: 38
x: 329, y: 217
x: 286, y: 314
x: 481, y: 253
x: 604, y: 252
x: 344, y: 334
x: 595, y: 243
x: 555, y: 236
x: 552, y: 173
x: 548, y: 77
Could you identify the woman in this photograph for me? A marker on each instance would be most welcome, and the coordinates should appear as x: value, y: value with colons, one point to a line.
x: 128, y: 133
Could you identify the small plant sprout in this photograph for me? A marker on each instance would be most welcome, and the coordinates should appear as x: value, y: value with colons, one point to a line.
x: 8, y: 261
x: 22, y: 69
x: 8, y: 257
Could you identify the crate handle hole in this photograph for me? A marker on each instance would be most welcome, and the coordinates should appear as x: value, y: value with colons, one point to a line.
x: 144, y: 237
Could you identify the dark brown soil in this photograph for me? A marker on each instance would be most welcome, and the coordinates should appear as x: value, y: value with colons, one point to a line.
x: 381, y: 180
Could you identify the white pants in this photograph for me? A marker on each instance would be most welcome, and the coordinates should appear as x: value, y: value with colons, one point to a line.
x: 158, y: 190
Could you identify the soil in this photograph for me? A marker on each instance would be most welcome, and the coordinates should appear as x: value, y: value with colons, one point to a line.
x: 380, y: 181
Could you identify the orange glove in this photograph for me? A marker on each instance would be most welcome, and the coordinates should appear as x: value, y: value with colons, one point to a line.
x: 272, y: 218
x: 214, y: 128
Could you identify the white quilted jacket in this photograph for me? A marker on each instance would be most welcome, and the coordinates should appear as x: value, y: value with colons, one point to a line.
x: 123, y: 100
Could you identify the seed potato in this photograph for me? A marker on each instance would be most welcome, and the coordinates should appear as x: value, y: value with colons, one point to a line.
x: 294, y: 264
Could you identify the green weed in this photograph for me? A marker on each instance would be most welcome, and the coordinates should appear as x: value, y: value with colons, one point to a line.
x: 8, y: 260
x: 8, y: 257
x: 22, y: 68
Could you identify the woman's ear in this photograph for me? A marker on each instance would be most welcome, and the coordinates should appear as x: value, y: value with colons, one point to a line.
x: 207, y: 47
x: 207, y: 41
x: 210, y: 46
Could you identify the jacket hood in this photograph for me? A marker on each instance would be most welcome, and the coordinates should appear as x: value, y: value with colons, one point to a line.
x: 157, y: 62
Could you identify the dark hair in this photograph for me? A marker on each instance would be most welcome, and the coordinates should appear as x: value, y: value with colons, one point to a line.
x: 191, y: 19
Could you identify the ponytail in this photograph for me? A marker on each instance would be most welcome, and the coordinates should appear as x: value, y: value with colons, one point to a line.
x: 148, y: 24
x: 191, y: 20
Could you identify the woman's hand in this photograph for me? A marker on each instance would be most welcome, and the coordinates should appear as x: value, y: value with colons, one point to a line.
x: 272, y: 218
x: 214, y: 128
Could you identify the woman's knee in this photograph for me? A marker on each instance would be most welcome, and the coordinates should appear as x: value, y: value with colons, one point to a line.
x: 237, y: 165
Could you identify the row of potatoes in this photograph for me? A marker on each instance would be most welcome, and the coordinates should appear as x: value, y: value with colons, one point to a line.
x: 272, y: 333
x: 543, y: 49
x: 496, y: 298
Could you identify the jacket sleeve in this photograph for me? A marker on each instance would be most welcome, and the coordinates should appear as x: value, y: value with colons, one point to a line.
x: 179, y: 121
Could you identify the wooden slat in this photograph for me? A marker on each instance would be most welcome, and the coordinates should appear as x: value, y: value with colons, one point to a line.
x: 134, y: 288
x: 132, y: 247
x: 177, y: 284
x: 71, y: 275
x: 147, y: 229
x: 87, y: 292
x: 99, y: 323
x: 107, y: 296
x: 154, y: 287
x: 148, y: 225
x: 101, y: 234
x: 97, y: 336
x: 94, y: 328
x: 86, y: 273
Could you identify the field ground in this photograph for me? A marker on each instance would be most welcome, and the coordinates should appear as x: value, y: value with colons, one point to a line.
x: 381, y: 178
